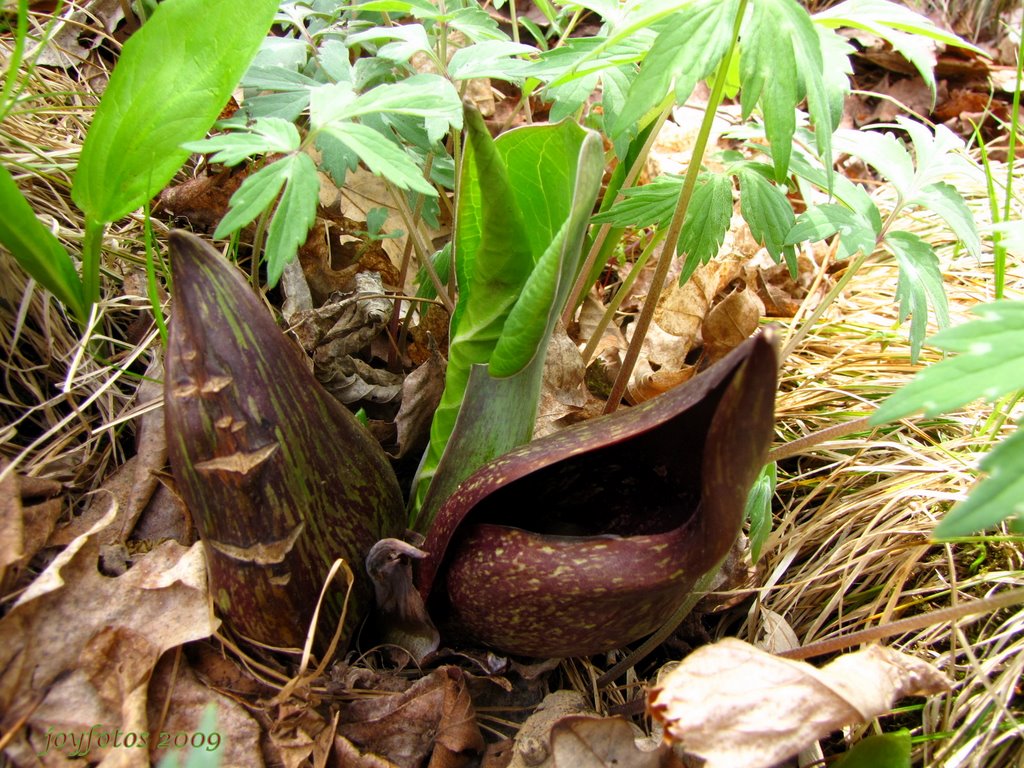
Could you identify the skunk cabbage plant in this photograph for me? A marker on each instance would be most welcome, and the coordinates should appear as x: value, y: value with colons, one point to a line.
x: 279, y: 477
x: 588, y: 539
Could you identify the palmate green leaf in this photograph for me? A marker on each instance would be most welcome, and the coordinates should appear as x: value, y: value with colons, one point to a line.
x: 265, y: 136
x: 997, y: 497
x: 989, y: 364
x: 856, y: 234
x: 253, y: 196
x: 294, y: 215
x: 381, y: 156
x: 675, y: 58
x: 645, y: 206
x: 419, y: 95
x: 492, y: 58
x: 907, y: 31
x: 920, y: 284
x: 36, y: 248
x: 768, y: 214
x: 781, y: 64
x: 945, y: 200
x: 171, y: 81
x: 475, y: 23
x: 707, y: 221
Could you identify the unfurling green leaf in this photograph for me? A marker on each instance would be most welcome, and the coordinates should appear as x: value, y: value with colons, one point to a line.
x: 920, y: 284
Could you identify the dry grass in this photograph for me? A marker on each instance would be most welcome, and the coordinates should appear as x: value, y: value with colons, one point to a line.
x: 851, y: 542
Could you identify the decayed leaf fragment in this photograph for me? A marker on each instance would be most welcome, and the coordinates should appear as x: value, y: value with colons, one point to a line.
x: 732, y: 704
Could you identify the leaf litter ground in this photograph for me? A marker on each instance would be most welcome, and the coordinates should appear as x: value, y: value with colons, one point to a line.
x: 849, y: 549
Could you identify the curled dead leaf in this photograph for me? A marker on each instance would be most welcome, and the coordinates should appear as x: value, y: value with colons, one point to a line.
x: 732, y: 704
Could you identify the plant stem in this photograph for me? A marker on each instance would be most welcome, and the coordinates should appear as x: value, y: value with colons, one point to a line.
x: 1011, y: 150
x: 92, y: 245
x: 643, y: 322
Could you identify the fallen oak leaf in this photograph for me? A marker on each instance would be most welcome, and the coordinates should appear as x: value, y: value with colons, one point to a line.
x: 602, y: 742
x: 733, y: 704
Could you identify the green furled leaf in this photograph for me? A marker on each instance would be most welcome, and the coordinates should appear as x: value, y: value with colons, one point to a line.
x: 265, y: 136
x: 908, y: 32
x: 759, y: 508
x: 781, y: 64
x: 253, y: 197
x: 676, y: 57
x: 36, y: 248
x: 990, y: 363
x: 855, y: 233
x: 381, y: 156
x: 644, y: 206
x: 884, y: 750
x: 170, y: 83
x: 768, y: 214
x: 513, y: 278
x: 707, y: 220
x: 920, y: 283
x: 295, y: 214
x: 997, y: 497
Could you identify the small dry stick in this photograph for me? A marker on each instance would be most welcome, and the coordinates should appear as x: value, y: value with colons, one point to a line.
x: 909, y: 624
x: 805, y: 443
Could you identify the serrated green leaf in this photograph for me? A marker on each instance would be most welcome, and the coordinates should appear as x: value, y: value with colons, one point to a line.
x: 381, y: 156
x: 781, y: 64
x: 707, y: 221
x: 946, y: 201
x: 419, y: 95
x: 822, y: 221
x: 920, y: 284
x: 996, y: 498
x: 907, y: 31
x: 644, y: 206
x: 476, y: 24
x: 253, y: 197
x: 407, y: 40
x: 171, y: 81
x: 758, y: 509
x: 492, y: 58
x: 422, y: 9
x: 768, y: 214
x: 267, y: 135
x: 883, y: 750
x: 674, y: 58
x: 294, y: 215
x: 36, y: 248
x: 990, y: 364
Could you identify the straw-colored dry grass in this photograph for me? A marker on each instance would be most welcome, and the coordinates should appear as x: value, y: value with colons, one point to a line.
x: 850, y: 547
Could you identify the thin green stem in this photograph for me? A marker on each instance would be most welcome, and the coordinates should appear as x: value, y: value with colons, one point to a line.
x: 21, y: 32
x: 582, y: 284
x: 620, y: 296
x: 92, y: 245
x: 643, y: 322
x: 1011, y: 151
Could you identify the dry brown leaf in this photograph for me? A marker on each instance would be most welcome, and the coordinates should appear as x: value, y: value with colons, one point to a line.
x: 421, y: 393
x: 72, y: 617
x: 603, y: 742
x: 532, y: 747
x: 434, y: 718
x: 730, y: 322
x: 732, y: 704
x: 562, y: 391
